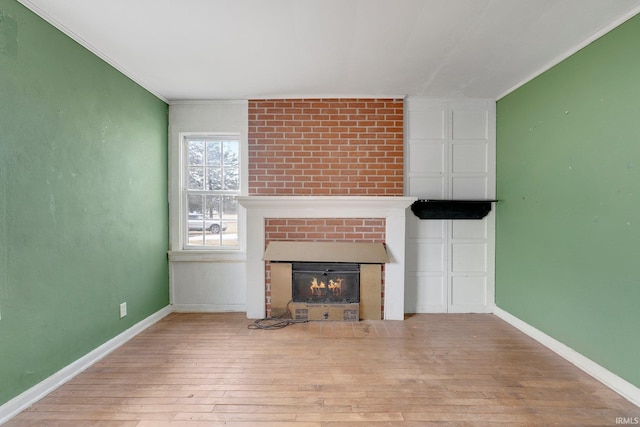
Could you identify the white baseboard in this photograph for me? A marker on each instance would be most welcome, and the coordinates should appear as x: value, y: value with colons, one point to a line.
x: 38, y: 391
x: 606, y: 377
x: 209, y: 308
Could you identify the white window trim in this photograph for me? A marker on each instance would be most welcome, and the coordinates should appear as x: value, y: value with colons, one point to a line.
x: 215, y: 117
x: 201, y: 254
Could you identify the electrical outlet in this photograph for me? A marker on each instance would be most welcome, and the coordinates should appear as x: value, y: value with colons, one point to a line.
x: 123, y: 309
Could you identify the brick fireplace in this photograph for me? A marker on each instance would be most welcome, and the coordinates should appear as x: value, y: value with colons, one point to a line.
x: 390, y: 209
x: 325, y: 170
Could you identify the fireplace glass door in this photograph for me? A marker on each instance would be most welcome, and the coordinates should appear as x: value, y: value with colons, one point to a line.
x: 325, y: 283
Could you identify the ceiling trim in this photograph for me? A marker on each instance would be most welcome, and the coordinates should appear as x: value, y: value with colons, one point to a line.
x: 206, y: 101
x: 315, y: 96
x: 91, y: 48
x: 332, y: 96
x: 558, y: 59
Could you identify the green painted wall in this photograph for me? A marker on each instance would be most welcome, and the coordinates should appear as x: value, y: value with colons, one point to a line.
x: 83, y: 201
x: 568, y: 220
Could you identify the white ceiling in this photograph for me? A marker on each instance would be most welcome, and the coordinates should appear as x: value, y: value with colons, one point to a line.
x: 247, y: 49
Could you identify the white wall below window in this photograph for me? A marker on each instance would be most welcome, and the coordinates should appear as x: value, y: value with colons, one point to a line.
x: 209, y: 286
x: 206, y: 280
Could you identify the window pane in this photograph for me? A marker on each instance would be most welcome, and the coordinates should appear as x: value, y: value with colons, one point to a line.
x: 195, y: 205
x: 196, y: 178
x: 214, y: 153
x: 196, y: 238
x: 195, y: 220
x: 229, y: 221
x: 231, y: 153
x: 230, y: 233
x: 195, y: 152
x: 229, y: 207
x: 212, y: 206
x: 231, y: 179
x: 214, y: 178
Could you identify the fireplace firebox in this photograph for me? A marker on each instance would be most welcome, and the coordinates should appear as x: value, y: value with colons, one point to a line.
x: 325, y: 283
x: 336, y: 281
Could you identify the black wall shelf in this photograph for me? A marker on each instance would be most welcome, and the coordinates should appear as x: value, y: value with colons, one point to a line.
x: 451, y: 209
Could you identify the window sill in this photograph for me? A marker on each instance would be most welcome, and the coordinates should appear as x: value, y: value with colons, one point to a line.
x: 207, y: 256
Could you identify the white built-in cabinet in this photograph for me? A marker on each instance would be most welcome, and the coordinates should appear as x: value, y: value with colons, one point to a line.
x: 450, y: 154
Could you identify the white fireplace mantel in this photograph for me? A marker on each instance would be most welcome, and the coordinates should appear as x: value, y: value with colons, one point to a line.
x: 392, y: 209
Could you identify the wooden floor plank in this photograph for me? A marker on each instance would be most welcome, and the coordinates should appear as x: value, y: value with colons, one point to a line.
x: 209, y: 369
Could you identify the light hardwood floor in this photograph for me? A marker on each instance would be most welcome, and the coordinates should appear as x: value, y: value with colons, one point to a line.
x: 197, y: 370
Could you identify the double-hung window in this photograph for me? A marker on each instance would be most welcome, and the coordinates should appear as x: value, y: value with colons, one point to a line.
x: 211, y: 183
